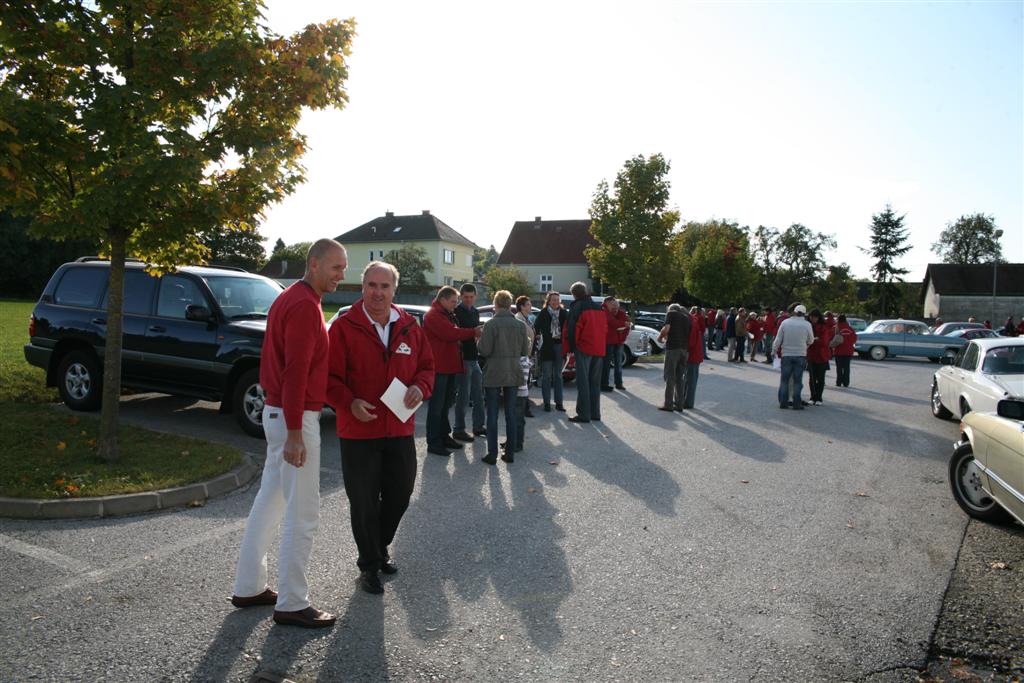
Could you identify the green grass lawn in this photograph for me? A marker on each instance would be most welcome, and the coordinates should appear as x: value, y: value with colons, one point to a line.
x: 47, y: 453
x: 19, y: 381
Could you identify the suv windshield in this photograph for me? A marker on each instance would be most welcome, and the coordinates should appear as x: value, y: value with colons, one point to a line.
x: 1004, y: 360
x: 243, y: 297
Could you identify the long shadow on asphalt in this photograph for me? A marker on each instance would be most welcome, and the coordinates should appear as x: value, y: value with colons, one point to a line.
x: 481, y: 527
x: 356, y: 650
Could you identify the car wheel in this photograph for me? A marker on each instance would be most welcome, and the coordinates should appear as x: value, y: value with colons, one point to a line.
x: 80, y: 380
x: 630, y: 357
x: 248, y: 403
x: 878, y: 352
x: 965, y: 482
x: 950, y: 353
x: 938, y: 410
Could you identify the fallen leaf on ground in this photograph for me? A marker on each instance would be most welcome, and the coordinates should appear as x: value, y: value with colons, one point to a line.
x: 829, y: 440
x: 84, y: 433
x: 74, y: 420
x: 998, y: 565
x: 552, y: 462
x: 501, y: 637
x: 531, y: 490
x: 862, y: 494
x: 185, y: 453
x: 61, y: 445
x: 37, y: 617
x: 849, y: 525
x: 431, y: 629
x: 744, y: 481
x: 197, y: 504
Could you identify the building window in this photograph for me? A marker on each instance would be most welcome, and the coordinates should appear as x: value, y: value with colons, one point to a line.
x: 547, y: 283
x: 447, y: 280
x: 449, y: 256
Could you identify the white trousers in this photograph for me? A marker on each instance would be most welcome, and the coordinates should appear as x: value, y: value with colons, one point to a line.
x: 290, y: 495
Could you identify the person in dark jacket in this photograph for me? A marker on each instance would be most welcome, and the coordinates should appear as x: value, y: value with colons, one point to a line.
x: 586, y: 334
x: 730, y: 335
x: 504, y: 343
x: 818, y: 355
x: 371, y: 345
x: 444, y: 333
x: 549, y: 324
x: 675, y: 335
x: 618, y: 331
x: 470, y: 383
x: 842, y: 350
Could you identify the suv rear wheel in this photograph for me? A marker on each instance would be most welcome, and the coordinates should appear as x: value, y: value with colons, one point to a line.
x: 248, y: 402
x: 80, y: 380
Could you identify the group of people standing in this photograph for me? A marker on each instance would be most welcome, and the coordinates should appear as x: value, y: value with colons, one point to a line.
x: 809, y: 341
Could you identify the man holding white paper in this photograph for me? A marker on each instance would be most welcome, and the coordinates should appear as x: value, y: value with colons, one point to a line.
x: 373, y: 344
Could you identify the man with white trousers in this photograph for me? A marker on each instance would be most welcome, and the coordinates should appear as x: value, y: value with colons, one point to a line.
x: 293, y: 373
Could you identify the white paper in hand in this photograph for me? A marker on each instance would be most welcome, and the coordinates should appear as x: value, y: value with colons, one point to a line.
x: 394, y: 399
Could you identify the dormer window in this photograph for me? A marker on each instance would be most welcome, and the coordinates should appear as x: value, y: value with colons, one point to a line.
x: 398, y: 228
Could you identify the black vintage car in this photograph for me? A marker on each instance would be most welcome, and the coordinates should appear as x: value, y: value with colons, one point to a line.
x: 196, y: 332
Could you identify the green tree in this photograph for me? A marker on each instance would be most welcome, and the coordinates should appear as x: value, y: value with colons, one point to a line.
x: 633, y: 228
x: 789, y: 261
x: 278, y: 246
x: 292, y: 252
x: 26, y: 263
x: 483, y: 260
x: 143, y: 124
x: 971, y: 239
x: 507, y: 277
x: 413, y: 263
x: 837, y: 291
x: 239, y: 245
x: 719, y: 269
x: 889, y: 241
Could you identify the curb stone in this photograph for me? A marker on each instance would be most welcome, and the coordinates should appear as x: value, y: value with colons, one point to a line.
x: 131, y: 503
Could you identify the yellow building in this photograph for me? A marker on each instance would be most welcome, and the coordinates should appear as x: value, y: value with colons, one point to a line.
x: 449, y: 251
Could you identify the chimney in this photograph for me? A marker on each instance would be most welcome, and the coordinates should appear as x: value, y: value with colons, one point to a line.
x: 426, y: 212
x: 389, y: 214
x: 537, y: 219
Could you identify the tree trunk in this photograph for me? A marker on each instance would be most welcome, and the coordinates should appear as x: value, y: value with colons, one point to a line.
x: 109, y: 448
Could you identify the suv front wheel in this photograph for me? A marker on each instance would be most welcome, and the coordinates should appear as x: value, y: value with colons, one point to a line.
x: 80, y: 380
x: 248, y: 403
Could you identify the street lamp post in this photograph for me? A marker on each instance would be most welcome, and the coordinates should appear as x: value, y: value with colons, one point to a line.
x: 995, y: 262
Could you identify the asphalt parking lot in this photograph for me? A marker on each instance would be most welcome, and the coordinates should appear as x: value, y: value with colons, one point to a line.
x: 736, y: 541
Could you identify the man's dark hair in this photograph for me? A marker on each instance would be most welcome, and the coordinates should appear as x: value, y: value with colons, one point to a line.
x: 578, y: 291
x: 841, y: 318
x: 468, y: 288
x: 609, y: 298
x: 816, y: 313
x: 792, y: 307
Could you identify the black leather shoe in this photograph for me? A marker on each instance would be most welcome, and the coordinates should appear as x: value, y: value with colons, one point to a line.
x: 547, y: 409
x: 560, y: 409
x: 507, y: 457
x: 267, y: 597
x: 667, y: 409
x: 489, y: 459
x: 439, y: 451
x: 784, y: 406
x: 607, y: 388
x: 577, y: 418
x: 369, y: 581
x: 479, y: 432
x: 310, y: 617
x: 620, y: 387
x: 449, y: 442
x: 463, y: 436
x: 388, y: 566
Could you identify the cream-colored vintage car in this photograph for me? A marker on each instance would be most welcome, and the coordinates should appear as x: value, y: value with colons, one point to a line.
x: 986, y: 472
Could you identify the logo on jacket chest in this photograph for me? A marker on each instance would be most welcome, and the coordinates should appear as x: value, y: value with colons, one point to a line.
x: 404, y: 349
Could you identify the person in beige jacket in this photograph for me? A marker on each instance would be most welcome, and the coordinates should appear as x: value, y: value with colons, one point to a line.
x: 741, y: 336
x: 503, y: 342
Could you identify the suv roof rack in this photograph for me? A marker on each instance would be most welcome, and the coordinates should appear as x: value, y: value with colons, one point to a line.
x: 90, y: 259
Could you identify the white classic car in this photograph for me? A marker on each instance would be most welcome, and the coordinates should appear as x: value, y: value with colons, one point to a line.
x: 984, y: 372
x: 986, y: 472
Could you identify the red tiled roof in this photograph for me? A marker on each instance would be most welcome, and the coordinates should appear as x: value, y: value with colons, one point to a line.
x: 552, y: 242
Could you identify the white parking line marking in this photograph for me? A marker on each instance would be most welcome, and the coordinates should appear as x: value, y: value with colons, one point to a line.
x: 36, y: 552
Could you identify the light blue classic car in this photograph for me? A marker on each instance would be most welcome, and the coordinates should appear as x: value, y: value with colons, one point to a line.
x: 886, y: 338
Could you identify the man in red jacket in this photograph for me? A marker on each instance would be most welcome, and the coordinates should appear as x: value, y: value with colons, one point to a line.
x: 771, y: 326
x: 371, y: 345
x: 586, y: 334
x: 293, y: 373
x: 618, y: 331
x: 446, y: 337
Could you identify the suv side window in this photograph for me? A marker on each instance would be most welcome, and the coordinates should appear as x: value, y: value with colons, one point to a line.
x: 81, y: 287
x: 138, y: 293
x: 176, y: 294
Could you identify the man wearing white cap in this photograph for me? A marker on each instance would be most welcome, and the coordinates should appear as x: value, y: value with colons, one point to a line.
x: 791, y: 341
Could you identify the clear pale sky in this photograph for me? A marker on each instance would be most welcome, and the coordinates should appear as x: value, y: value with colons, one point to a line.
x: 771, y: 113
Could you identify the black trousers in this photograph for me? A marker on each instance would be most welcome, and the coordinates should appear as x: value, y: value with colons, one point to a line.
x: 379, y: 477
x: 817, y: 380
x: 439, y: 406
x: 842, y: 371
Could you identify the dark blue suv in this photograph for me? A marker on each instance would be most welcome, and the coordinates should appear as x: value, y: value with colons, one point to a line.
x: 196, y: 332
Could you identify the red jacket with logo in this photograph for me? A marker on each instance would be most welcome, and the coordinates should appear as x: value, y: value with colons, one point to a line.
x: 445, y: 336
x: 712, y: 314
x: 293, y: 365
x: 818, y: 352
x: 771, y: 326
x: 360, y: 367
x: 849, y: 336
x: 615, y: 321
x: 756, y: 328
x: 586, y: 328
x: 696, y: 341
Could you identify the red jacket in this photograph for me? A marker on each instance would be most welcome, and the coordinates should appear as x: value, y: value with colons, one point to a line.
x: 586, y: 328
x: 712, y: 314
x: 818, y: 352
x: 771, y: 325
x: 615, y: 321
x: 445, y: 335
x: 360, y: 367
x: 849, y: 339
x: 293, y: 365
x: 756, y: 328
x: 696, y: 345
